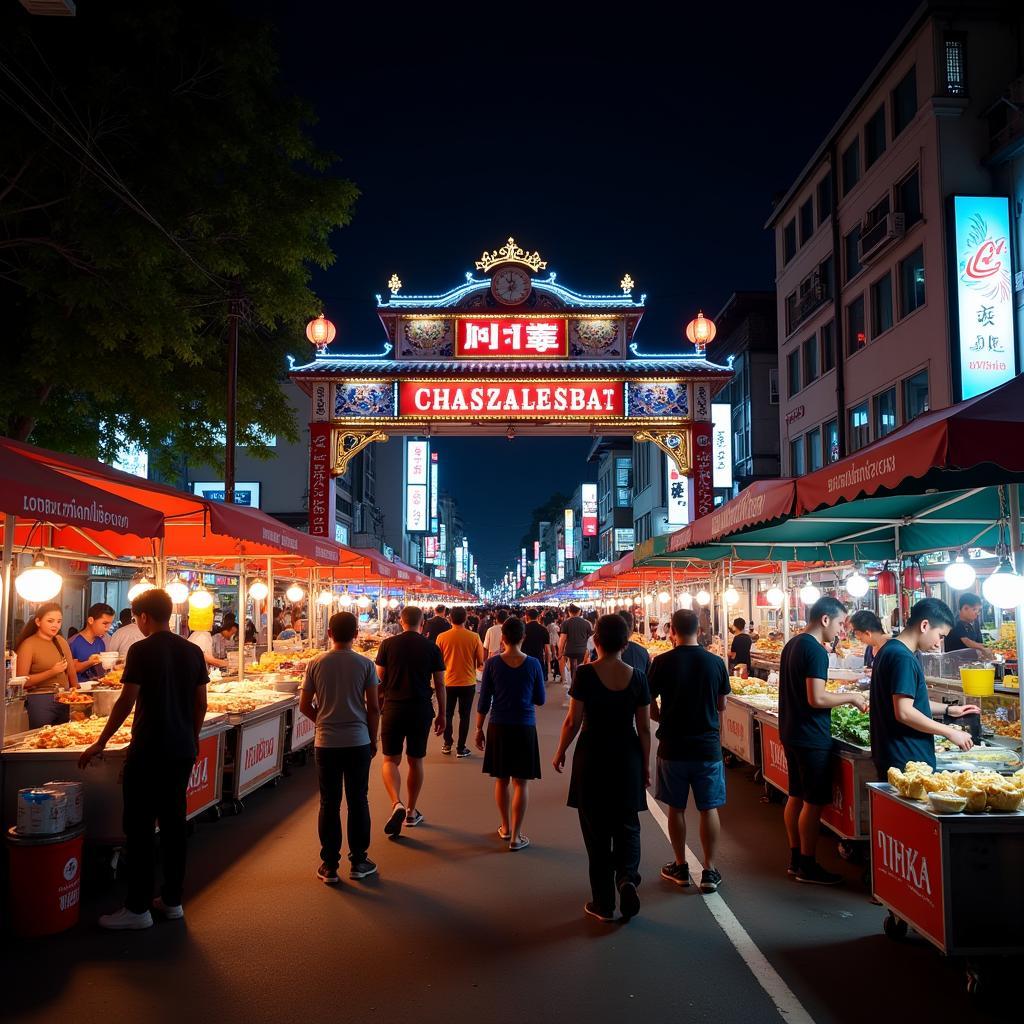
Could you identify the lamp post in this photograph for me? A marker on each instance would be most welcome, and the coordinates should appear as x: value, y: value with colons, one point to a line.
x: 234, y: 315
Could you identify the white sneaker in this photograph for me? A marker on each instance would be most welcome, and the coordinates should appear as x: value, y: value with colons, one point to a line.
x: 171, y: 912
x: 125, y: 920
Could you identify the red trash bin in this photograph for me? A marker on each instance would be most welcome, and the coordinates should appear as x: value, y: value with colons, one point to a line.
x: 46, y: 881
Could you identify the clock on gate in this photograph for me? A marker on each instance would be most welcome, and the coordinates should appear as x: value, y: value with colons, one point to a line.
x: 510, y: 285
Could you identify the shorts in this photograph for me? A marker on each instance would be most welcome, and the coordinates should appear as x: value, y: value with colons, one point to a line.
x: 810, y: 774
x: 677, y: 778
x: 405, y: 724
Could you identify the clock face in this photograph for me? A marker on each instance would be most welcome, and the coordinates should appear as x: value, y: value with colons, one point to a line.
x: 510, y: 285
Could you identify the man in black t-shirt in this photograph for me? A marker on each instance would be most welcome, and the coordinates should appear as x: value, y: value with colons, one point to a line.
x: 164, y: 680
x: 408, y: 666
x: 805, y: 728
x: 536, y: 641
x: 739, y: 650
x: 966, y: 631
x: 436, y: 625
x: 688, y: 690
x: 635, y: 655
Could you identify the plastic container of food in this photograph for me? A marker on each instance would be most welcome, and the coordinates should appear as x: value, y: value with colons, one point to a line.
x: 978, y: 681
x: 947, y: 802
x: 108, y: 659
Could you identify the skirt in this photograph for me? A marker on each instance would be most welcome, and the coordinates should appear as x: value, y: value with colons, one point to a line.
x: 512, y: 752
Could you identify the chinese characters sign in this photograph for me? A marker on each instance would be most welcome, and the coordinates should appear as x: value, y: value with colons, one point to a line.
x: 417, y: 509
x: 511, y: 339
x: 703, y: 470
x: 721, y: 426
x: 588, y: 493
x: 493, y: 400
x: 321, y: 483
x: 678, y: 494
x: 984, y: 293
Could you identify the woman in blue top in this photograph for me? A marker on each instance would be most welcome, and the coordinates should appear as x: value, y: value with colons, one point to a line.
x: 513, y: 683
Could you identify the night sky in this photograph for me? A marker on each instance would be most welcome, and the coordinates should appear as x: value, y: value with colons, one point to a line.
x: 632, y: 145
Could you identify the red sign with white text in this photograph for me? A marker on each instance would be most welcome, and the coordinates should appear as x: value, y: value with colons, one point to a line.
x: 906, y: 863
x: 511, y: 338
x: 703, y: 470
x: 202, y: 783
x: 588, y: 494
x: 321, y: 483
x: 774, y: 766
x: 546, y: 400
x: 839, y: 815
x: 303, y: 730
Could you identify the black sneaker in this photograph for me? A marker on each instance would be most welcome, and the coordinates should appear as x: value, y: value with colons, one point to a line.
x: 462, y: 752
x: 393, y: 826
x: 605, y: 916
x: 362, y: 869
x: 629, y: 901
x: 794, y: 864
x: 710, y: 880
x: 446, y: 748
x: 413, y: 819
x: 678, y: 873
x: 815, y: 874
x: 329, y: 876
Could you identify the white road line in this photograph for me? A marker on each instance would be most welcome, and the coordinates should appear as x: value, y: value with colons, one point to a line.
x: 790, y: 1008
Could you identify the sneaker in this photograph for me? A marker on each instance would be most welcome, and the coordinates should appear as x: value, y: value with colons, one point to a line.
x: 794, y: 864
x: 446, y: 748
x: 678, y: 873
x: 362, y: 869
x: 168, y: 910
x: 125, y: 920
x: 629, y: 901
x: 413, y: 818
x: 710, y: 880
x: 605, y: 916
x: 329, y: 876
x: 519, y: 844
x: 815, y: 874
x: 393, y: 826
x: 462, y: 752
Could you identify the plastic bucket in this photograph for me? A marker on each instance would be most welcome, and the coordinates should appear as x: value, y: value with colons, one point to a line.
x: 45, y: 881
x: 978, y: 682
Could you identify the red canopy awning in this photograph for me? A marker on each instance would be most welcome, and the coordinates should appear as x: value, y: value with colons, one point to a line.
x: 950, y: 447
x: 761, y: 502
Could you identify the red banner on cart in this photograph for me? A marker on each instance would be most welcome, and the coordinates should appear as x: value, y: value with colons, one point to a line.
x: 303, y: 730
x: 774, y: 766
x: 202, y: 784
x: 840, y: 816
x: 906, y: 864
x: 738, y: 732
x: 258, y: 751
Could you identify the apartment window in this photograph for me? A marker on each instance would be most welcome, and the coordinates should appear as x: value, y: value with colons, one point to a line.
x: 911, y: 272
x: 825, y: 197
x: 791, y: 317
x: 796, y: 457
x: 773, y: 386
x: 825, y: 276
x: 881, y: 305
x: 828, y: 346
x: 908, y: 198
x: 885, y: 413
x: 874, y: 136
x: 806, y: 220
x: 860, y: 429
x: 832, y: 440
x: 789, y: 241
x: 793, y: 372
x: 851, y: 251
x: 624, y: 483
x: 851, y: 166
x: 856, y: 339
x: 814, y: 459
x: 904, y: 102
x: 915, y: 395
x: 810, y: 347
x: 956, y: 65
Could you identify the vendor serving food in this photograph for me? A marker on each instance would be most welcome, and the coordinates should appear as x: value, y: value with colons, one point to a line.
x: 867, y: 628
x: 902, y: 726
x: 90, y: 642
x: 45, y: 659
x: 966, y: 632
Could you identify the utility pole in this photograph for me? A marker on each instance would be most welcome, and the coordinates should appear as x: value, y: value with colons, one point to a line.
x: 234, y: 314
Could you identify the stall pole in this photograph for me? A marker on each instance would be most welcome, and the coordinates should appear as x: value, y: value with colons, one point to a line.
x: 161, y: 565
x: 312, y: 611
x: 270, y: 604
x: 672, y: 588
x: 643, y: 607
x: 1018, y: 564
x: 785, y: 602
x: 899, y: 580
x: 5, y: 612
x: 380, y: 608
x: 241, y: 620
x: 725, y: 620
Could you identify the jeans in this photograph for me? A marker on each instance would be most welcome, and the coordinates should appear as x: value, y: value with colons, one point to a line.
x: 463, y: 697
x: 154, y: 791
x: 44, y: 710
x: 347, y: 767
x: 613, y: 847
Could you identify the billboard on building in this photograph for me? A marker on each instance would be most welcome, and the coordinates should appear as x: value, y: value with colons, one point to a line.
x: 417, y: 476
x: 721, y: 444
x: 624, y: 539
x: 569, y: 524
x: 247, y: 494
x: 589, y: 511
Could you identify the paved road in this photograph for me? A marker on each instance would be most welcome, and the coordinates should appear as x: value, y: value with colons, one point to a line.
x: 456, y: 927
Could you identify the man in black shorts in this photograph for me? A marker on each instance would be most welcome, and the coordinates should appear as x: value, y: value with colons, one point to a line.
x: 805, y: 728
x: 572, y: 647
x: 407, y: 665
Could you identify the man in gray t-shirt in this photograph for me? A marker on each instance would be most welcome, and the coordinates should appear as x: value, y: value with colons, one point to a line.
x: 340, y: 694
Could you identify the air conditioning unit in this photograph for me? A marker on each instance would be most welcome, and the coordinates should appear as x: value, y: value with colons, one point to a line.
x: 877, y: 236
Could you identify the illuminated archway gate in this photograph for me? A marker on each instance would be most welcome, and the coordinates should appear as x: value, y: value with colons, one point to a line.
x: 509, y: 354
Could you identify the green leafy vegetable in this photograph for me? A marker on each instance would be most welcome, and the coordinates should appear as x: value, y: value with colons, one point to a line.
x: 851, y: 725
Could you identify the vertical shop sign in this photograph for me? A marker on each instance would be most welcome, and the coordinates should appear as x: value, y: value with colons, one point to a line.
x: 703, y: 470
x: 321, y: 482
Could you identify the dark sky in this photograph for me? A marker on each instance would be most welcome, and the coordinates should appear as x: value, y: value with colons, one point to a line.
x: 629, y: 143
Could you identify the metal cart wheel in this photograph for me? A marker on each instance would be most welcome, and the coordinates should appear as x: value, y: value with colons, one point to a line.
x: 894, y: 927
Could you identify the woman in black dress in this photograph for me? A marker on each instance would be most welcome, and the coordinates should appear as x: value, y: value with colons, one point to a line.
x: 610, y: 768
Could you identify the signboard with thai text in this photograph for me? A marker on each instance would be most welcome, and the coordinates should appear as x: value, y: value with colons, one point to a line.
x: 303, y: 730
x: 259, y: 752
x: 548, y: 400
x: 511, y: 338
x: 737, y: 731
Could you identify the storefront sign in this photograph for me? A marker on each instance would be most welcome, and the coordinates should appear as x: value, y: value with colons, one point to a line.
x: 417, y: 509
x: 984, y: 293
x: 321, y: 483
x: 495, y: 400
x: 737, y: 731
x: 588, y: 494
x: 561, y: 566
x: 906, y: 863
x: 511, y: 338
x: 303, y: 730
x: 701, y: 402
x: 625, y: 539
x: 247, y: 494
x: 430, y: 548
x: 678, y: 494
x: 259, y: 753
x: 433, y: 490
x: 774, y: 766
x: 703, y: 470
x: 202, y: 783
x: 721, y: 427
x: 569, y: 531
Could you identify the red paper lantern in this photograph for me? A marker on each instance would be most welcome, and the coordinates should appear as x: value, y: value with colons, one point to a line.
x: 886, y: 581
x: 320, y: 332
x: 912, y: 579
x: 701, y: 332
x: 762, y: 599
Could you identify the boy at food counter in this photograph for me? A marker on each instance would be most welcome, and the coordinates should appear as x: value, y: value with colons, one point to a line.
x: 90, y: 642
x: 902, y: 728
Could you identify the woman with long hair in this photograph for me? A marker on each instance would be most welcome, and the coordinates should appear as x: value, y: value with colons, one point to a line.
x: 45, y: 658
x: 611, y: 768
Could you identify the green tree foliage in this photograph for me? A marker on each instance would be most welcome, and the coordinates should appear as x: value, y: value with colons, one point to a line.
x: 149, y: 158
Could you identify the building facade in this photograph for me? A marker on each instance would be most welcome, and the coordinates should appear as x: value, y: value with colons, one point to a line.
x: 614, y: 459
x: 868, y: 334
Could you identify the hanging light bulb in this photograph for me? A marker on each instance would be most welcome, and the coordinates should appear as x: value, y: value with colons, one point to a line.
x: 648, y: 598
x: 295, y: 593
x: 39, y: 582
x: 731, y: 595
x: 258, y: 590
x: 139, y: 587
x: 856, y: 585
x: 345, y: 600
x: 177, y: 590
x: 363, y: 601
x: 664, y: 597
x: 960, y: 574
x: 199, y: 598
x: 1004, y: 588
x: 703, y: 597
x: 809, y: 593
x: 775, y: 596
x: 393, y: 603
x: 325, y: 598
x: 686, y: 600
